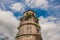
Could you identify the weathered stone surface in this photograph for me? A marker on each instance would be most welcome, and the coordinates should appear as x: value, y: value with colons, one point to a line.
x: 29, y: 28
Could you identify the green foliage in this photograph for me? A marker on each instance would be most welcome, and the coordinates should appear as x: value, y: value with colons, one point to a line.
x: 27, y: 17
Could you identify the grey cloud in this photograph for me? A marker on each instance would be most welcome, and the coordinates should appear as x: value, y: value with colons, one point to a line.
x: 50, y: 29
x: 8, y: 24
x: 4, y: 3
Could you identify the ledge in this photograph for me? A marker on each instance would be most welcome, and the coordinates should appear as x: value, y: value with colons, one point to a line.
x: 29, y: 24
x: 26, y: 35
x: 27, y: 17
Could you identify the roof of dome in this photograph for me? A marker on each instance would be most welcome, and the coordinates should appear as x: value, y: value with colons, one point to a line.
x: 29, y: 11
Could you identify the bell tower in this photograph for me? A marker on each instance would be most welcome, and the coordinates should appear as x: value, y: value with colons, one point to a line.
x: 29, y: 28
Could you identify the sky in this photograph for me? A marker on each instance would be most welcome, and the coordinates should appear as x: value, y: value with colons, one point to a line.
x: 47, y: 11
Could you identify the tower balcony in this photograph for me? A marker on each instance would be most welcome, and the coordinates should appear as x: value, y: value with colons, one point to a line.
x: 28, y: 21
x: 33, y: 23
x: 28, y: 28
x: 29, y: 36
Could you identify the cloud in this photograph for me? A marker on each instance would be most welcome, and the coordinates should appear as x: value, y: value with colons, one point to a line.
x: 18, y: 6
x: 37, y: 3
x: 8, y: 24
x: 50, y: 28
x: 54, y: 8
x: 4, y: 4
x: 55, y: 11
x: 50, y: 25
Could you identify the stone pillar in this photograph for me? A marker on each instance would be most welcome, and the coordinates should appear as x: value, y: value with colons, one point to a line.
x: 29, y: 27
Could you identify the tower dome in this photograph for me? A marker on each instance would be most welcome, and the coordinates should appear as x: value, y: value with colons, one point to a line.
x: 29, y: 12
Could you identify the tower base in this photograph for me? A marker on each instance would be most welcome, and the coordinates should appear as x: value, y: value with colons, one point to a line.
x: 29, y: 37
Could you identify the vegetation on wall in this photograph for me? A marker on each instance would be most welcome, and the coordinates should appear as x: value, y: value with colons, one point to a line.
x: 27, y: 17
